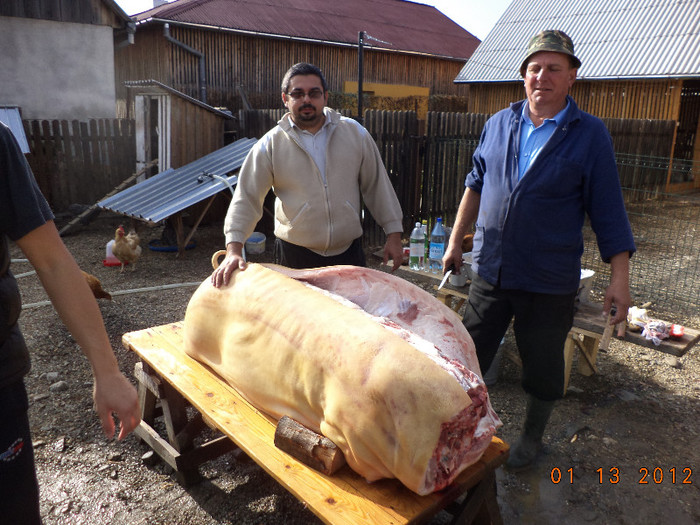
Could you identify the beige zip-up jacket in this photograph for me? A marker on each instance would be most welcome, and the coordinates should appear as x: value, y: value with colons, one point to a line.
x: 324, y: 218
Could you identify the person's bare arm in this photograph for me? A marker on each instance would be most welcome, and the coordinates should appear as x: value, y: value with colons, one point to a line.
x: 71, y: 296
x: 618, y: 292
x: 466, y: 215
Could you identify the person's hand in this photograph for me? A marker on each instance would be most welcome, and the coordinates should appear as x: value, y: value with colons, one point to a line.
x: 452, y: 257
x: 618, y: 295
x: 618, y: 292
x: 233, y: 261
x: 115, y: 396
x: 393, y: 250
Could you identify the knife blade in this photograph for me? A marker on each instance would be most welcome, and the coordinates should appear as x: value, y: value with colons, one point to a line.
x: 446, y: 276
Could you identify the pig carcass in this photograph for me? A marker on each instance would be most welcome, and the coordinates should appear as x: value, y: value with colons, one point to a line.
x: 372, y: 362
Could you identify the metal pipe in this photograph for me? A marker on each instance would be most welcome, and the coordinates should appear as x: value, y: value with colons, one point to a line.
x: 198, y: 54
x: 360, y: 67
x: 130, y: 30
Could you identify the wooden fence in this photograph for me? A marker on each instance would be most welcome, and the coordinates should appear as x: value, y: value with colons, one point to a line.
x: 427, y: 161
x: 428, y: 166
x: 79, y: 162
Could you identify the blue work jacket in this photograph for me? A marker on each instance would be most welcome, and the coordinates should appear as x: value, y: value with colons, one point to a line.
x: 529, y: 231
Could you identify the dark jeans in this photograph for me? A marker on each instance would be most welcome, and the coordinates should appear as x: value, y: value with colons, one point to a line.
x: 293, y: 256
x: 541, y: 323
x: 19, y: 488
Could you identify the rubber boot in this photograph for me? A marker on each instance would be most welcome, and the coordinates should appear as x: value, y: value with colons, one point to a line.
x: 524, y: 453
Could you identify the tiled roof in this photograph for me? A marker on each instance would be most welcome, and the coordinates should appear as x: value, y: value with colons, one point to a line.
x: 392, y: 24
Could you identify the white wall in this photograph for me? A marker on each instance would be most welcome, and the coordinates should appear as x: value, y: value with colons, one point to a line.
x: 56, y: 70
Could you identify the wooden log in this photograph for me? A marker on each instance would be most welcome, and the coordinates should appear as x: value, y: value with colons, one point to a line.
x: 312, y: 449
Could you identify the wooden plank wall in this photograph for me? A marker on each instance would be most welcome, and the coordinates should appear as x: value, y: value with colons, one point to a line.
x: 626, y: 99
x: 259, y: 63
x: 195, y: 132
x: 79, y: 11
x: 79, y: 162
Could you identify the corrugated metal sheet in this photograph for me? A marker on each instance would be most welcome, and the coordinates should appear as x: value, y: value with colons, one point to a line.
x: 9, y: 115
x: 173, y: 190
x: 615, y: 39
x: 396, y: 24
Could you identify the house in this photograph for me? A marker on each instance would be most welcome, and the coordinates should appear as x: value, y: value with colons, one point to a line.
x: 57, y: 57
x: 233, y: 53
x: 640, y: 60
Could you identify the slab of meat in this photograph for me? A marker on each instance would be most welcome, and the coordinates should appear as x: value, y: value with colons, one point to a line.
x: 372, y: 362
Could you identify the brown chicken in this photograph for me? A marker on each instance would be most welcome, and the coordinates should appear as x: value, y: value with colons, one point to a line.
x: 126, y: 247
x: 96, y: 286
x: 467, y: 242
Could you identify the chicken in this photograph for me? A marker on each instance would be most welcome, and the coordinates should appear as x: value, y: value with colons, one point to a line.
x: 96, y: 286
x: 126, y: 247
x: 467, y: 242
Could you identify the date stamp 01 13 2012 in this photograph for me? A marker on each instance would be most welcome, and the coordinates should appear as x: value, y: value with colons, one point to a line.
x: 643, y: 476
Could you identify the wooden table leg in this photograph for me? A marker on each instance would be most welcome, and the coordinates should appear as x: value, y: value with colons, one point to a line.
x: 452, y: 300
x: 480, y: 506
x: 178, y: 450
x: 589, y: 354
x: 568, y: 358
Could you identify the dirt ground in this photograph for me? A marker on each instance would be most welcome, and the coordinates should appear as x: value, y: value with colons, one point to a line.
x: 622, y: 445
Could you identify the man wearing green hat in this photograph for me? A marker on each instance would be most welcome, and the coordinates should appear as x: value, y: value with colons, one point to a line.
x: 542, y: 166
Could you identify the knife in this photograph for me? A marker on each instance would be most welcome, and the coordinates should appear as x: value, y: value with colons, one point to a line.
x: 446, y: 276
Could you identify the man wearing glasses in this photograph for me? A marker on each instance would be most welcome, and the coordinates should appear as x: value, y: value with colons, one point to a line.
x: 321, y: 166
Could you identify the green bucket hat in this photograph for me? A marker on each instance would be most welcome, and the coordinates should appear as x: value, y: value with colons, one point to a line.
x: 550, y: 40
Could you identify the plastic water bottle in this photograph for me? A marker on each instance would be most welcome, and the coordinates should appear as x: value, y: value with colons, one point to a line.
x: 415, y: 258
x: 437, y: 247
x: 426, y: 250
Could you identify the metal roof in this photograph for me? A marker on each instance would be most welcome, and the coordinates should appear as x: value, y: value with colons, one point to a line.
x: 392, y: 24
x: 151, y: 86
x: 614, y: 39
x: 173, y: 190
x: 9, y: 115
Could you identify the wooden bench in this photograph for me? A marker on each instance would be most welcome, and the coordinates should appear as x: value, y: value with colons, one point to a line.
x: 169, y: 382
x: 590, y: 333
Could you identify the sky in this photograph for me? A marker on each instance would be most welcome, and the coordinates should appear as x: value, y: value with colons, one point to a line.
x: 476, y: 16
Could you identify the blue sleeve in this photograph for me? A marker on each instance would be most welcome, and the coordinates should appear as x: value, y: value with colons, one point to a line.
x: 475, y: 178
x: 604, y: 203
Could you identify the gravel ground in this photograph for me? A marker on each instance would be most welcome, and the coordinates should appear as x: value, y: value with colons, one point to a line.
x: 622, y: 445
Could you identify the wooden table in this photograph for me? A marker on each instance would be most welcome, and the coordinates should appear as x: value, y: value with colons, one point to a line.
x: 169, y: 381
x: 590, y: 333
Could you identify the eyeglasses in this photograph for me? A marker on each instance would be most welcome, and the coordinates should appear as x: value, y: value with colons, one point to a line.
x: 298, y: 94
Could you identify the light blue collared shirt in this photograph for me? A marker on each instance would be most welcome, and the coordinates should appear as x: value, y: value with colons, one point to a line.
x: 533, y: 139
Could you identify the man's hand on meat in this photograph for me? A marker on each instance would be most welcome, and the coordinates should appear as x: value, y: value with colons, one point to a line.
x: 233, y: 261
